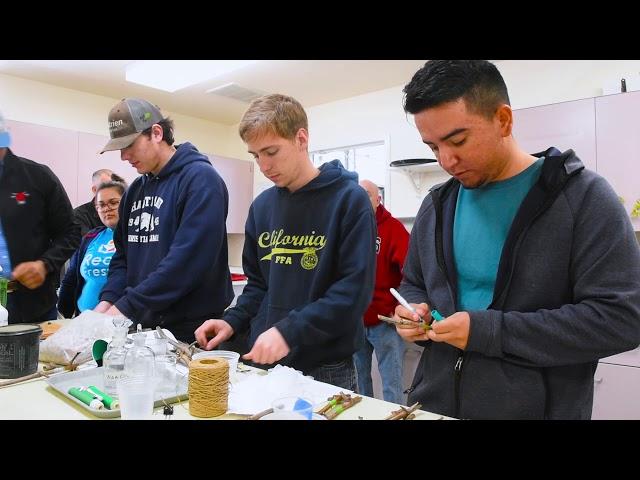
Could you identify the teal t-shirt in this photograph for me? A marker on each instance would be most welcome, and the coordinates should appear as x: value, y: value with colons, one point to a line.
x: 482, y: 221
x: 95, y: 268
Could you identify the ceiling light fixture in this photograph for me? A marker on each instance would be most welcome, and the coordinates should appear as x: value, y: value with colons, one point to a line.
x: 172, y: 75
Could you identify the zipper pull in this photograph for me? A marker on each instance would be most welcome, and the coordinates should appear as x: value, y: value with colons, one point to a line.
x: 458, y: 366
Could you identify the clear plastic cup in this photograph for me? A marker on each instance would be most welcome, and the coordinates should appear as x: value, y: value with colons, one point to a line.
x: 229, y: 356
x: 136, y: 398
x: 292, y: 408
x: 166, y: 374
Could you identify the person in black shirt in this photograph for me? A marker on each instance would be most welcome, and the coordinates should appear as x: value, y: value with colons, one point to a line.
x: 38, y: 234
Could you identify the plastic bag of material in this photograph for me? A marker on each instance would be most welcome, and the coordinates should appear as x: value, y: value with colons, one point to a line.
x: 76, y: 338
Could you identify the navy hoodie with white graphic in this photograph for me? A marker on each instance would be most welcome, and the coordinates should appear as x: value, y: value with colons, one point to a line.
x: 171, y: 267
x: 310, y: 259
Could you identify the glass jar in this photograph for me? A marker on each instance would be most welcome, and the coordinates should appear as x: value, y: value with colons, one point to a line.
x: 113, y: 360
x: 140, y: 359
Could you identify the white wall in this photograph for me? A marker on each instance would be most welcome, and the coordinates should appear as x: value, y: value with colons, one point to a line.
x: 40, y: 103
x: 379, y: 115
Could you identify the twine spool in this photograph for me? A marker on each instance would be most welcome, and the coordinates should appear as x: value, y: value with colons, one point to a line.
x: 208, y: 387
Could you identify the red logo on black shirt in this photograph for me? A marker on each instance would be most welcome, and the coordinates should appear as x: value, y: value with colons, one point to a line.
x: 21, y: 197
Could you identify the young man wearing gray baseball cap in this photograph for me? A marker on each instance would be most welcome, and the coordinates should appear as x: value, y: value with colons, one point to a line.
x: 171, y: 267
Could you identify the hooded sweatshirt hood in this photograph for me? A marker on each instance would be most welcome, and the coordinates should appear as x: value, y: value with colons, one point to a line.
x: 330, y: 173
x: 185, y: 154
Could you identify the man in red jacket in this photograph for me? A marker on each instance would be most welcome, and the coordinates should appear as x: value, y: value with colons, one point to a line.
x: 391, y: 249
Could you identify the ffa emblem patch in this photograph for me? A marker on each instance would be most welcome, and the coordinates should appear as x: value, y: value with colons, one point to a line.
x: 21, y: 197
x: 309, y: 260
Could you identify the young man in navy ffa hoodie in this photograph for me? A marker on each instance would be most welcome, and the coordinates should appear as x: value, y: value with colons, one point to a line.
x: 309, y: 254
x: 171, y: 267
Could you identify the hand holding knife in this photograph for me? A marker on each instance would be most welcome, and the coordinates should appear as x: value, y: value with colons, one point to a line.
x: 434, y: 313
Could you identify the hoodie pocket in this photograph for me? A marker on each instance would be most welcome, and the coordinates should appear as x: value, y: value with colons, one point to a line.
x: 494, y: 389
x: 418, y: 376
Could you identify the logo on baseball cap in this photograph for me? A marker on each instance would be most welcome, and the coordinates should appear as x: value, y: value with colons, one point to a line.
x: 128, y: 119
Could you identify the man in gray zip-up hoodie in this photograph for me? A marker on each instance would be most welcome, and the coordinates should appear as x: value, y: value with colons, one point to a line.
x: 531, y: 258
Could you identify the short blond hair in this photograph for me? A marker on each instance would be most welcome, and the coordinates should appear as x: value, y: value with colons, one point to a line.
x: 275, y: 113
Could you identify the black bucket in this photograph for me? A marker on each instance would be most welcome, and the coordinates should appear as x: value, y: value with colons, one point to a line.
x: 19, y: 350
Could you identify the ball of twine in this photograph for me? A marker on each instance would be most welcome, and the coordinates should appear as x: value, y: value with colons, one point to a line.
x: 208, y: 387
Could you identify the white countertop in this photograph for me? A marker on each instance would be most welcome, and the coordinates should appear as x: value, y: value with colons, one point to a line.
x: 36, y: 400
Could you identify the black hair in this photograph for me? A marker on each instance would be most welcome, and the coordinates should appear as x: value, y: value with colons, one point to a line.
x: 117, y: 178
x: 119, y: 186
x: 477, y: 82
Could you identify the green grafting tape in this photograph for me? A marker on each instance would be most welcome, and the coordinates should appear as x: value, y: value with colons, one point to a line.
x: 4, y: 283
x: 108, y: 401
x: 338, y: 409
x: 86, y: 397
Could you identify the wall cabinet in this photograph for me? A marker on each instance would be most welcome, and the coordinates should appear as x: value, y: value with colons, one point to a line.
x: 56, y: 148
x: 616, y: 394
x: 238, y: 175
x: 630, y: 359
x: 561, y: 125
x: 604, y: 132
x: 618, y: 145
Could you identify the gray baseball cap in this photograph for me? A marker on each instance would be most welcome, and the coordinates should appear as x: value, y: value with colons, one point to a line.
x: 128, y: 119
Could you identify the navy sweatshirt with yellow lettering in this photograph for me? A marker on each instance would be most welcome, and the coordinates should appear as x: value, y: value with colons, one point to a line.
x: 310, y: 261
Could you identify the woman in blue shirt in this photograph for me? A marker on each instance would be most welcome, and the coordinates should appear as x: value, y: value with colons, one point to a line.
x: 89, y: 265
